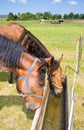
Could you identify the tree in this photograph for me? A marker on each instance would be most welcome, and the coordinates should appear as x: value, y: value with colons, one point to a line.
x: 54, y: 17
x: 76, y: 16
x: 27, y: 16
x: 81, y: 16
x: 65, y: 16
x: 59, y: 16
x: 10, y: 16
x: 71, y: 15
x: 47, y: 15
x: 38, y: 16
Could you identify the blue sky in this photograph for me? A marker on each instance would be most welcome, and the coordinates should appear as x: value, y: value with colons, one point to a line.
x: 34, y: 6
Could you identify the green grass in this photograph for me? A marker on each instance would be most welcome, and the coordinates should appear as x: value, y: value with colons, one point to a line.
x: 59, y: 39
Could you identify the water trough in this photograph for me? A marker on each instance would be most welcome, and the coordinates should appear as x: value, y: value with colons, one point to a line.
x: 54, y: 111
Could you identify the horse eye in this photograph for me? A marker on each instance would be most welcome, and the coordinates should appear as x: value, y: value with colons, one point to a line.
x: 52, y: 74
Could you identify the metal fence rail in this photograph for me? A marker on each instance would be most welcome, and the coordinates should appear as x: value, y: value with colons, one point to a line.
x: 77, y: 68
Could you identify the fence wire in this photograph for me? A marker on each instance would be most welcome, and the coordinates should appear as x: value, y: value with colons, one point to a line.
x: 77, y: 69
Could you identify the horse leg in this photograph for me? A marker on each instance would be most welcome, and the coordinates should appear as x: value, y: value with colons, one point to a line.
x: 10, y: 79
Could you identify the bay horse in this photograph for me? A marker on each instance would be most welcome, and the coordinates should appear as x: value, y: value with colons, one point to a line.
x: 29, y: 70
x: 34, y: 46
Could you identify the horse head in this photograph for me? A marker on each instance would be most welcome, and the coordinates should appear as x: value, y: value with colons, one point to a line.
x: 30, y: 71
x: 55, y: 75
x: 31, y: 80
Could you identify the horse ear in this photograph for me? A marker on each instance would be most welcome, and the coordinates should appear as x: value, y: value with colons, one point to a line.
x: 52, y: 60
x: 48, y: 60
x: 60, y: 59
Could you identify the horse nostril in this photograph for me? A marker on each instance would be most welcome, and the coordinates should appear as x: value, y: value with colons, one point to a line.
x: 57, y: 94
x: 30, y: 106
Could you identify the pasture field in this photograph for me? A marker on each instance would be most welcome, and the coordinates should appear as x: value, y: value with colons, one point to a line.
x: 58, y: 39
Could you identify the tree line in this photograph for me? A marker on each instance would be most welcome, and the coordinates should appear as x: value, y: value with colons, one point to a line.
x: 45, y: 15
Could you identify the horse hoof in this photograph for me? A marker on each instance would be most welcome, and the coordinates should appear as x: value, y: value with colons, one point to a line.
x: 10, y: 85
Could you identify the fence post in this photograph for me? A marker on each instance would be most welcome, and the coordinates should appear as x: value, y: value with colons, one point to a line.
x: 80, y: 53
x: 70, y: 125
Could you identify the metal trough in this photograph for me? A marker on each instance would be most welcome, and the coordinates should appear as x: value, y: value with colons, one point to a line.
x: 54, y: 111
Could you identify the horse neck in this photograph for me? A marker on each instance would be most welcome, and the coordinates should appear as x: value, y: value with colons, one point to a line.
x: 13, y: 28
x: 5, y: 68
x: 2, y: 30
x: 41, y: 48
x: 16, y: 35
x: 26, y: 61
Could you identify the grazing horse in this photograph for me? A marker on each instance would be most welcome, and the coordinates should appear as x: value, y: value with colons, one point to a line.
x: 30, y: 71
x: 35, y: 47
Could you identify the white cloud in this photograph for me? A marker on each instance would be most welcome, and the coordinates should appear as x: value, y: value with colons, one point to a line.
x: 21, y: 1
x: 56, y: 1
x: 72, y: 2
x: 12, y: 1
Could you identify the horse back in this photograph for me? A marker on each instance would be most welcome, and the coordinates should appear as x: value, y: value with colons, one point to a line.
x: 11, y: 31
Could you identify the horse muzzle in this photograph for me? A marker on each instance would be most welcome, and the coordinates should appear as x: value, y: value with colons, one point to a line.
x: 31, y: 106
x: 57, y: 89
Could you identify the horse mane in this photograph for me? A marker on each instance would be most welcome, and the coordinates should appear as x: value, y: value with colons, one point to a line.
x: 35, y: 46
x: 10, y: 52
x: 42, y: 69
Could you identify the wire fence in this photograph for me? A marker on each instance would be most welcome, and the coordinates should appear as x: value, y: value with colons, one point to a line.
x: 76, y: 71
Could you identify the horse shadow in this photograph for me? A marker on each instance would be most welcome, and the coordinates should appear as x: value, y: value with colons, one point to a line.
x: 10, y: 100
x: 4, y: 76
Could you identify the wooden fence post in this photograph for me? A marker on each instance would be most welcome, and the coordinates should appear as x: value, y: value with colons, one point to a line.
x: 80, y: 53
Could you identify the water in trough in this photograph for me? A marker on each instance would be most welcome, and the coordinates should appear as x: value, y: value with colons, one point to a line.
x: 55, y: 116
